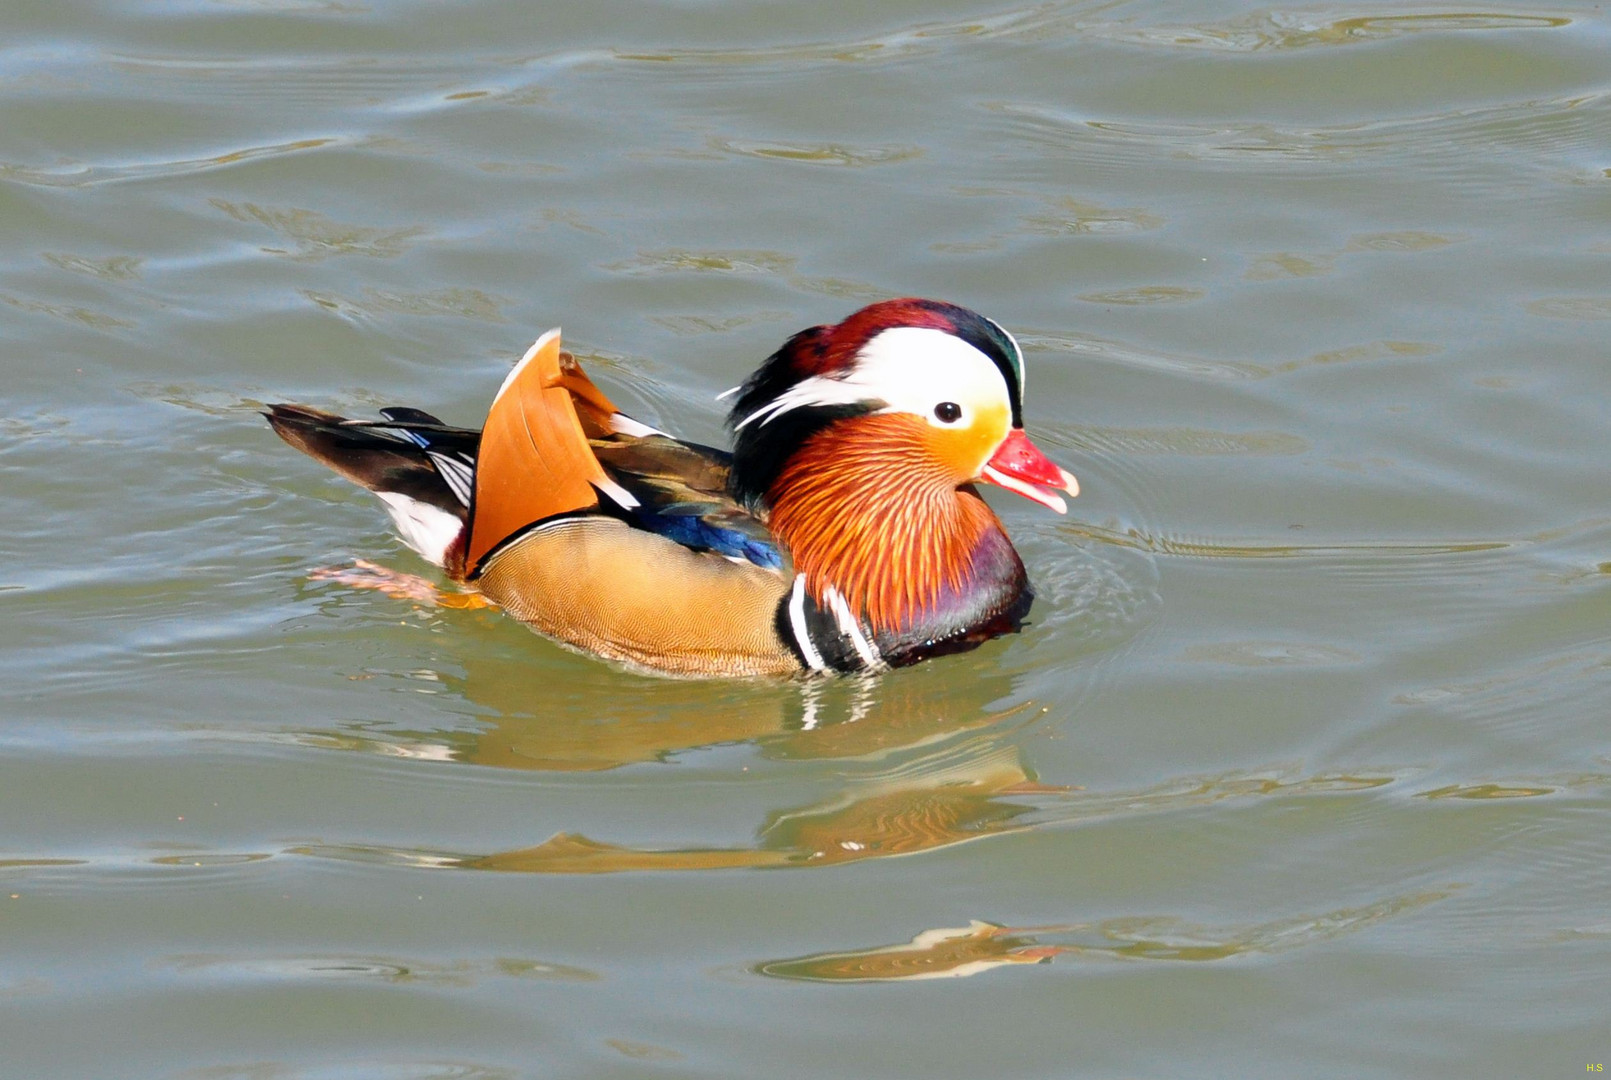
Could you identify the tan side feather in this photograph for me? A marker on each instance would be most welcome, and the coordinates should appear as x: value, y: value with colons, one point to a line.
x: 601, y: 585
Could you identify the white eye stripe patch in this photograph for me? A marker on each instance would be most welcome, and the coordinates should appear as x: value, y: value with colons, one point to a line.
x: 910, y: 369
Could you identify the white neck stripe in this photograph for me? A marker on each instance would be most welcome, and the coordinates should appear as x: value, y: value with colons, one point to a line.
x: 850, y: 626
x: 797, y: 622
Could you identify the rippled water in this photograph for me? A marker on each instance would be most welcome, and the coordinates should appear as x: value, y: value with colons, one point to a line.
x: 1302, y: 769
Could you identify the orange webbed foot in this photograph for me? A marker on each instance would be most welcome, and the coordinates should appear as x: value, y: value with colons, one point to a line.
x: 363, y: 574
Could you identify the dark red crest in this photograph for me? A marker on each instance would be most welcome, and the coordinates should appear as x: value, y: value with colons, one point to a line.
x: 823, y: 350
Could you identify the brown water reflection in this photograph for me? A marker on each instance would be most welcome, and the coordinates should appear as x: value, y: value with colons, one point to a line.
x: 593, y: 723
x: 947, y: 765
x: 978, y: 787
x: 958, y: 795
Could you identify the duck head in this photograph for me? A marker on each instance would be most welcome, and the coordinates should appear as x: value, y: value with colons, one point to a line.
x: 860, y: 444
x: 950, y: 380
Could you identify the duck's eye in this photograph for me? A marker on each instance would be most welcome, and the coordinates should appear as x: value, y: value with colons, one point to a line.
x: 948, y: 412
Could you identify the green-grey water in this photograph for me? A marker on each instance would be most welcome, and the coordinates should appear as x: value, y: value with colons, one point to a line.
x: 1302, y: 767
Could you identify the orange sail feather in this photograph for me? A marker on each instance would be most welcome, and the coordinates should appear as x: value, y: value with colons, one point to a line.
x: 535, y: 461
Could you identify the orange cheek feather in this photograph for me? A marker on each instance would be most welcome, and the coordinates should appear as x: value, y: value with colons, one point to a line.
x: 871, y: 506
x: 965, y: 451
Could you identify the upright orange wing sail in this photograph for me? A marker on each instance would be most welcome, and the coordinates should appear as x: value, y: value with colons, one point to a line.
x: 534, y: 460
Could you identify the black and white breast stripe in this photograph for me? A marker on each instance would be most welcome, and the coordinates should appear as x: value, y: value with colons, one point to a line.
x: 826, y: 639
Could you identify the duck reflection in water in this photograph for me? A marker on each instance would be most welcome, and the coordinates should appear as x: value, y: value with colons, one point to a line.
x: 963, y: 792
x: 587, y: 719
x: 942, y: 739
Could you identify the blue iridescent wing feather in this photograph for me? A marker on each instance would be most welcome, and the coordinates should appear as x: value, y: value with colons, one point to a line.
x: 681, y: 489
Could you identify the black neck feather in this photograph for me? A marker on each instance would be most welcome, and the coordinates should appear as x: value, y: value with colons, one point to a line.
x: 761, y: 450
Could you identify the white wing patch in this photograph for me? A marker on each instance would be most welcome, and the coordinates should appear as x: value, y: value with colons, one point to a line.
x: 617, y: 494
x: 622, y: 424
x: 425, y: 528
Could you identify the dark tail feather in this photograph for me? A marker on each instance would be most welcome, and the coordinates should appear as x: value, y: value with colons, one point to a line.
x: 366, y: 454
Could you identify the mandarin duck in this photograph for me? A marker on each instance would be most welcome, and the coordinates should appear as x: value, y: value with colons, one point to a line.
x: 843, y: 533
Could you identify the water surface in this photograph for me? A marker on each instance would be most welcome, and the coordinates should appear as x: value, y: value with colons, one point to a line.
x: 1302, y: 767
